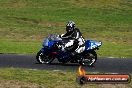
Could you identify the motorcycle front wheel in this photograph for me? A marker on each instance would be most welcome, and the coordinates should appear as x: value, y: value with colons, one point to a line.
x: 41, y: 58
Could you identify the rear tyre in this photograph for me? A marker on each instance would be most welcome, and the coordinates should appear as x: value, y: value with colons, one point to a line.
x: 89, y: 58
x: 41, y: 58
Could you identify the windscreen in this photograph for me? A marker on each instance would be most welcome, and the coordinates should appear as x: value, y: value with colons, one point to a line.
x: 51, y: 37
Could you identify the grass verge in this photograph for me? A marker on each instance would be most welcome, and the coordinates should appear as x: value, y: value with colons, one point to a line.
x: 29, y: 78
x: 108, y: 49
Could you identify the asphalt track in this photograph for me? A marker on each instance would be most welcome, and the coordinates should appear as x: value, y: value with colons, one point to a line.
x: 107, y: 65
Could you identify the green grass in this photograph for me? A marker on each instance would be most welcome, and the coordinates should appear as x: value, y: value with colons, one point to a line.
x: 45, y: 79
x: 48, y: 79
x: 19, y: 47
x: 109, y: 49
x: 25, y: 23
x: 115, y: 50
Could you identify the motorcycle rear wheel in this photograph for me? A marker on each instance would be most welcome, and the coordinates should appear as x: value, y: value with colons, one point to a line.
x: 89, y: 58
x: 41, y: 58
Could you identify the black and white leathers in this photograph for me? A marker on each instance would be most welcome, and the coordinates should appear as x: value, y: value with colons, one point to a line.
x: 76, y: 42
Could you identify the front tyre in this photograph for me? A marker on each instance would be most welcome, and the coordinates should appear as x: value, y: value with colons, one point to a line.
x: 41, y: 58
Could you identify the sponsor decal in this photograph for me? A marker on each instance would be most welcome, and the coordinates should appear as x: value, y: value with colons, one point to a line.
x: 83, y: 78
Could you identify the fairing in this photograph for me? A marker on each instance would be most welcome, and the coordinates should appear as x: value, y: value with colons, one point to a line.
x: 90, y: 44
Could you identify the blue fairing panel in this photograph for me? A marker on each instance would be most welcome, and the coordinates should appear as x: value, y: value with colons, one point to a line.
x: 90, y: 44
x: 51, y: 43
x: 42, y: 49
x: 48, y: 43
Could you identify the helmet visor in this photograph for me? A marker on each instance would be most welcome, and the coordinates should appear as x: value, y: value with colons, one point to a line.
x: 69, y: 28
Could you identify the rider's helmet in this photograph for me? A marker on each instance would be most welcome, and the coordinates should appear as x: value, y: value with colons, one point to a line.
x: 70, y: 26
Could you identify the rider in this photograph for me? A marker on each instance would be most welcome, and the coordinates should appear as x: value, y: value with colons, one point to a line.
x: 76, y: 42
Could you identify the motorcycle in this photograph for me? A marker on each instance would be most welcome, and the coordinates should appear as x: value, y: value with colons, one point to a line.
x: 52, y: 49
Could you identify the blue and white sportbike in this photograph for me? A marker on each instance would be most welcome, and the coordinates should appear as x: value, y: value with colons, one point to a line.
x: 52, y: 50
